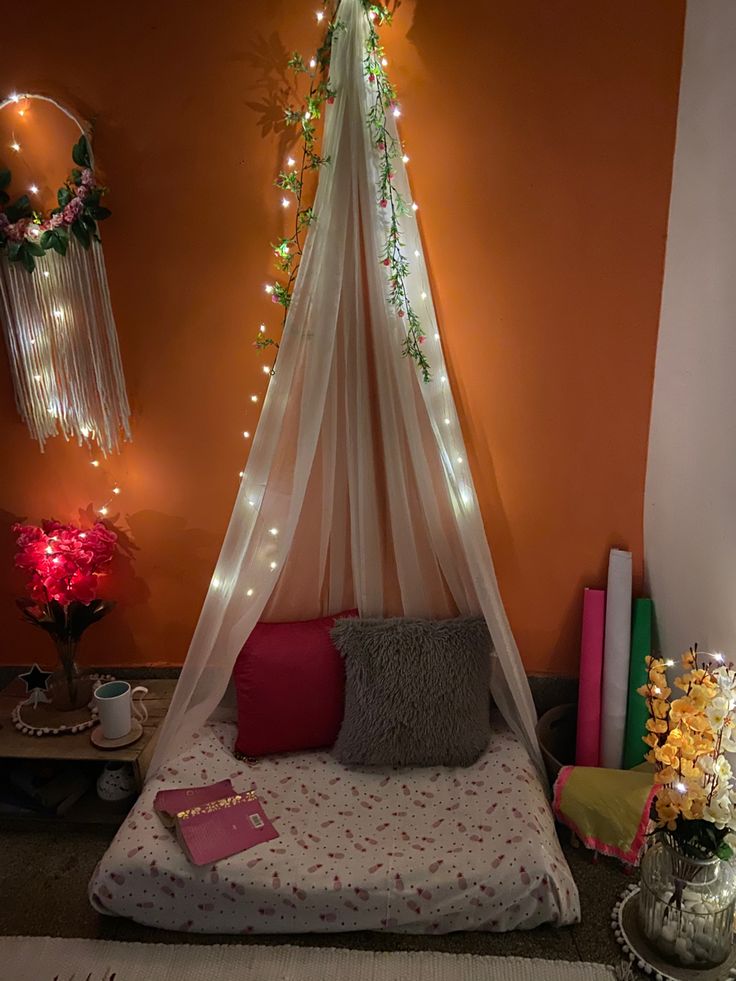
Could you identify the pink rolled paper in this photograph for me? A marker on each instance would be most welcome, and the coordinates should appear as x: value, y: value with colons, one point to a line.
x: 588, y: 744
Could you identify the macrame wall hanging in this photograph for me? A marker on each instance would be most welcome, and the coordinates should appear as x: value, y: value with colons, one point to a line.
x: 55, y: 304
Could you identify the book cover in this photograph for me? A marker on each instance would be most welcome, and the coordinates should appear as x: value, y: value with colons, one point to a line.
x: 221, y: 828
x: 168, y: 803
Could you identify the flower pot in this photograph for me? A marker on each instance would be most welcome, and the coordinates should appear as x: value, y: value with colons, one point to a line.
x: 686, y: 905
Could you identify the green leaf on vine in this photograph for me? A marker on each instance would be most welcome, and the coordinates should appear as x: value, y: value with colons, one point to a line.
x: 63, y: 196
x: 80, y: 153
x: 4, y: 178
x: 81, y: 233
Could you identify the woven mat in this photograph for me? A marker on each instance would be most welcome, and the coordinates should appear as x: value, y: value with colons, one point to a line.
x: 45, y: 958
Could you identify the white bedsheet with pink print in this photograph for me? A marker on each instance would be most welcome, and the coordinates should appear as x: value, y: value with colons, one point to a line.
x: 425, y: 850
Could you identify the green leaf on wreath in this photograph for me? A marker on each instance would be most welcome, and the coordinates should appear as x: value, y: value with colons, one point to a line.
x: 4, y: 197
x: 63, y: 196
x: 14, y: 251
x: 81, y: 233
x: 77, y: 176
x: 80, y: 152
x: 98, y: 212
x: 27, y: 260
x: 34, y: 248
x: 19, y: 209
x: 4, y: 178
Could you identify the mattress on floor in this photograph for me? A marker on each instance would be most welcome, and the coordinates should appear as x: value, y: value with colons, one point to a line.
x: 420, y: 850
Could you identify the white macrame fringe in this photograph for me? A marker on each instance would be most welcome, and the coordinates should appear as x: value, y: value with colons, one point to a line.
x: 63, y: 348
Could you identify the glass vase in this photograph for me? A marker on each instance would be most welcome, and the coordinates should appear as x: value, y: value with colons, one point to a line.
x: 686, y: 905
x: 68, y: 688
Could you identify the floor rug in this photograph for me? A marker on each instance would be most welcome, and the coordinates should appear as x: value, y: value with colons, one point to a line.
x: 53, y: 959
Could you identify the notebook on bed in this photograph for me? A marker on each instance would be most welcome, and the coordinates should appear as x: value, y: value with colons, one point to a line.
x: 222, y: 828
x: 168, y: 803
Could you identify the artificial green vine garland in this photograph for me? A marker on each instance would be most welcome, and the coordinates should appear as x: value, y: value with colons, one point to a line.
x: 26, y: 234
x: 289, y: 250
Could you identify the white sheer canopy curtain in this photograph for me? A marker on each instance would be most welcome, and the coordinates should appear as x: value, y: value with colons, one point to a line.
x: 357, y: 490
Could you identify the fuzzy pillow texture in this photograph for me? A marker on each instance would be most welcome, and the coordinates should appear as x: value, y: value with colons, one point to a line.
x: 417, y: 692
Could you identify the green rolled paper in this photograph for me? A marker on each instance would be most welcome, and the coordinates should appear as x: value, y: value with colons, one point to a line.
x: 636, y: 711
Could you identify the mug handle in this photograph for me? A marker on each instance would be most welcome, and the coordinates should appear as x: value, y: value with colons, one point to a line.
x: 140, y: 712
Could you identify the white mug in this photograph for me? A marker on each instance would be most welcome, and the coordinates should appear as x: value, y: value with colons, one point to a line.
x: 114, y: 701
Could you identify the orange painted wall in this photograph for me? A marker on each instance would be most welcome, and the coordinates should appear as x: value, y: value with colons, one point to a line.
x: 541, y: 138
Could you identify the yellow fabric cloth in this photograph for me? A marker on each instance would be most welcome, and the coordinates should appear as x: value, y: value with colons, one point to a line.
x: 608, y: 810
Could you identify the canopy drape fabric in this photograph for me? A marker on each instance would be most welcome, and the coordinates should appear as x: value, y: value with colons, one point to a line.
x: 357, y: 491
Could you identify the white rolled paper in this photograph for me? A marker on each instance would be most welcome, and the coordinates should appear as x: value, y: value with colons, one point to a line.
x: 616, y: 654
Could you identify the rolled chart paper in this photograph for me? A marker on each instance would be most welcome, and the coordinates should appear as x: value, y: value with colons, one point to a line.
x: 637, y: 713
x: 588, y: 741
x: 616, y: 653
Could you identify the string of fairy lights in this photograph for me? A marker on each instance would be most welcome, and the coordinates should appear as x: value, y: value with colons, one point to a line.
x: 22, y: 105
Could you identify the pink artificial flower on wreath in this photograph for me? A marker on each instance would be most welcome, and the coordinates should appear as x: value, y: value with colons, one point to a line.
x: 56, y: 220
x: 4, y: 222
x: 73, y: 210
x: 88, y: 178
x: 82, y: 192
x: 17, y: 231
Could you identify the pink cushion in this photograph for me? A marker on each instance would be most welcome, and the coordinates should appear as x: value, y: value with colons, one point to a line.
x: 290, y: 685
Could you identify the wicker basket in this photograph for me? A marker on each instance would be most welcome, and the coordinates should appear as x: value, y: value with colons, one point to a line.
x: 556, y: 731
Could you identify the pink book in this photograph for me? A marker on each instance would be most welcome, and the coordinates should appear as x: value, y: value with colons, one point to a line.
x: 168, y: 803
x: 591, y: 677
x: 222, y: 828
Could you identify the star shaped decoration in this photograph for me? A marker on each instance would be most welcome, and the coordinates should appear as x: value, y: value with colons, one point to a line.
x: 35, y: 679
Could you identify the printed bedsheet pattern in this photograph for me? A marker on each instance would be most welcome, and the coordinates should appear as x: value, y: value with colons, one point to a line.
x: 427, y: 850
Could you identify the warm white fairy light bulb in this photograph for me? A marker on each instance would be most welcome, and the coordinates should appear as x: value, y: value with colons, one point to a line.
x: 443, y: 379
x: 116, y: 490
x: 37, y: 378
x: 246, y: 434
x: 384, y: 62
x: 254, y: 398
x: 249, y: 592
x: 216, y: 584
x: 268, y: 288
x: 33, y: 189
x: 405, y: 159
x: 266, y: 370
x: 459, y: 459
x: 95, y: 463
x: 424, y: 296
x: 717, y: 656
x: 681, y: 788
x: 46, y: 273
x: 312, y: 63
x: 262, y: 329
x: 307, y: 115
x: 415, y: 206
x: 103, y: 510
x: 273, y: 565
x: 291, y: 162
x: 397, y: 112
x: 273, y: 531
x: 58, y: 313
x: 285, y: 202
x: 15, y: 145
x: 669, y: 663
x: 320, y: 16
x: 447, y: 421
x: 14, y: 97
x: 416, y: 253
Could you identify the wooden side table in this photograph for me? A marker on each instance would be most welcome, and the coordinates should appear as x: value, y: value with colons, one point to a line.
x: 78, y: 747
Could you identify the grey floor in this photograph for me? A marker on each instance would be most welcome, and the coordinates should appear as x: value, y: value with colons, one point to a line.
x: 44, y: 872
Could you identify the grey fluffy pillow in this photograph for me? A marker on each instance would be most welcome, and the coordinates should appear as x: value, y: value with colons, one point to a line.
x: 417, y: 692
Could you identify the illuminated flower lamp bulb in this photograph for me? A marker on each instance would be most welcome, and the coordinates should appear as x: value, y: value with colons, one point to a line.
x: 33, y: 189
x: 372, y: 14
x: 681, y: 788
x: 15, y: 146
x: 116, y: 490
x: 95, y: 463
x: 669, y: 663
x: 254, y: 398
x: 405, y: 159
x: 249, y: 592
x: 291, y: 162
x: 320, y: 16
x: 657, y: 691
x: 49, y: 550
x: 262, y: 329
x: 246, y: 435
x: 103, y: 510
x: 397, y: 112
x: 273, y: 565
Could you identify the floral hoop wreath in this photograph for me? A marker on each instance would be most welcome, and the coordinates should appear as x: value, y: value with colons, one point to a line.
x: 27, y: 234
x: 31, y: 729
